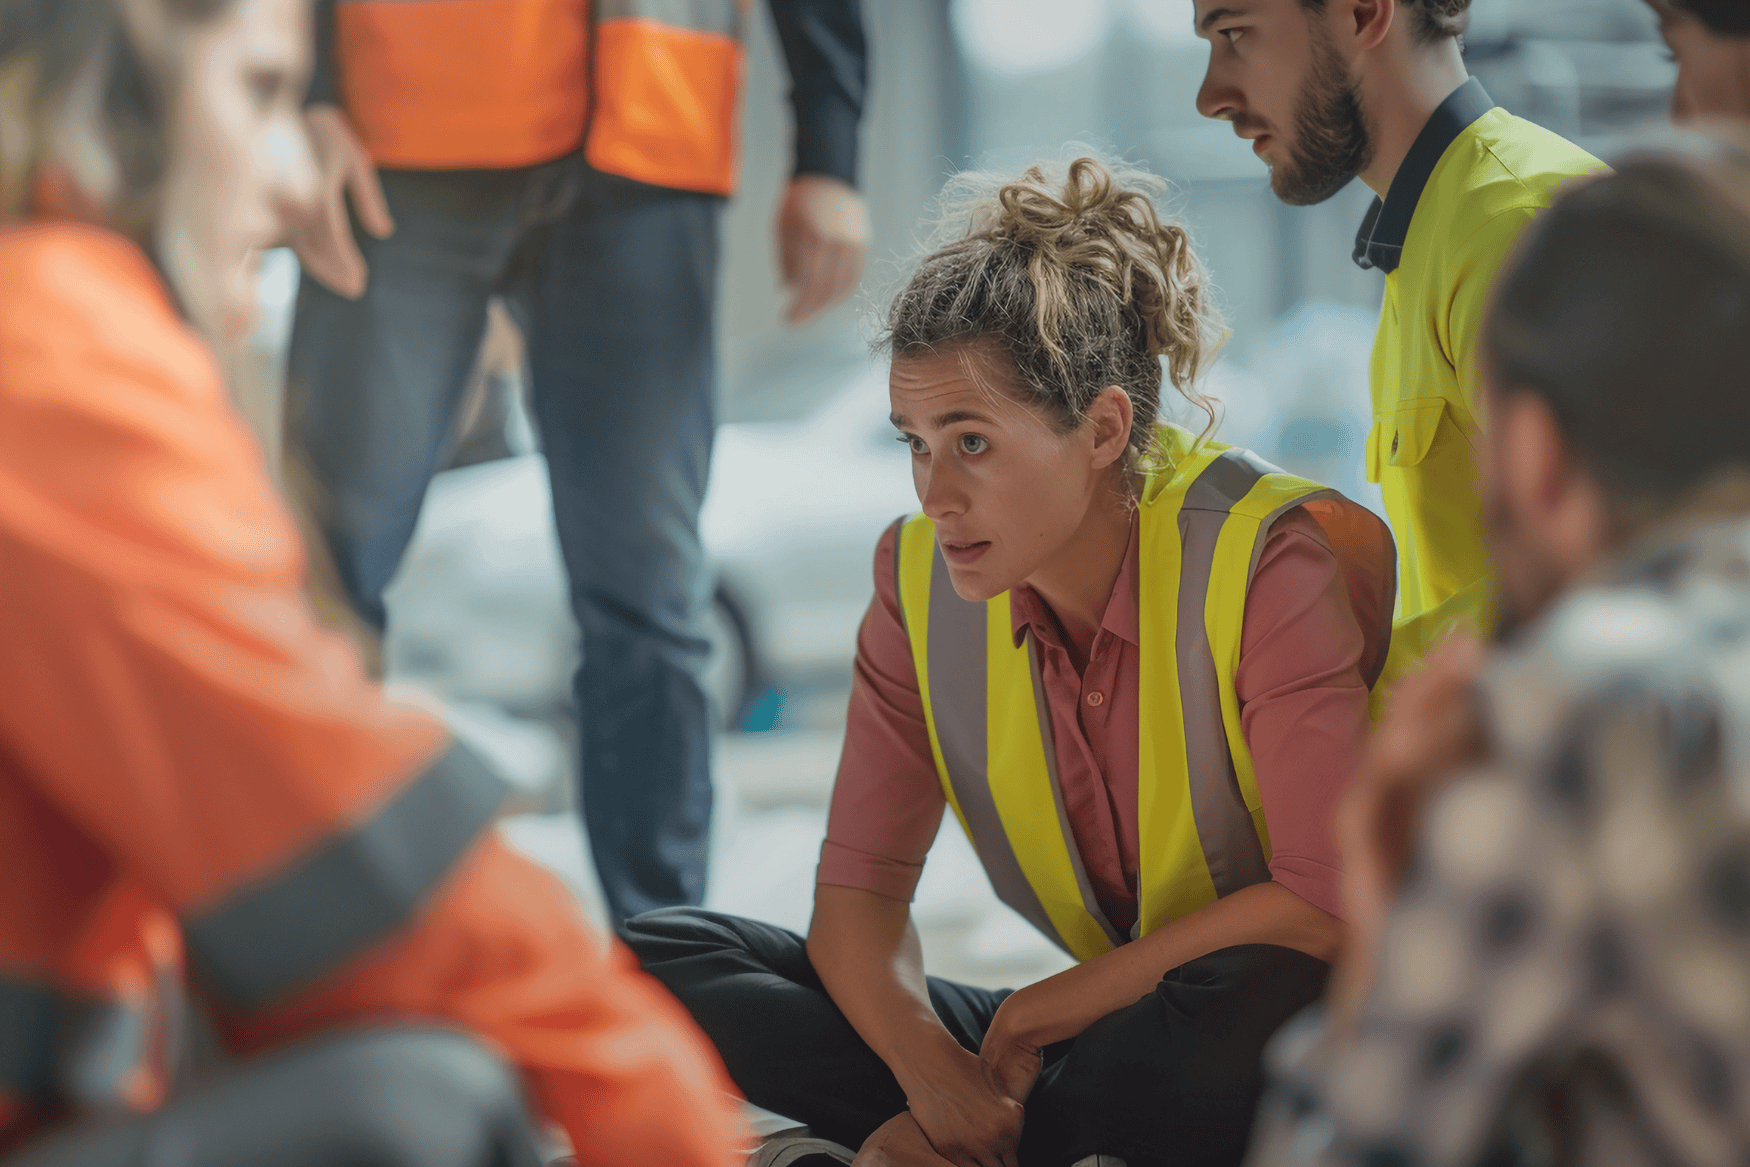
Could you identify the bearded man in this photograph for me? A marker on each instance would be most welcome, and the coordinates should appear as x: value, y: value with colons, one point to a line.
x: 1332, y: 90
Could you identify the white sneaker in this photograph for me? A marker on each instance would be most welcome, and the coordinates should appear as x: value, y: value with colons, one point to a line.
x: 1099, y: 1161
x: 797, y: 1147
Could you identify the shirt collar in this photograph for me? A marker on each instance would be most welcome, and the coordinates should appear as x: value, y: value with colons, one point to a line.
x: 1380, y: 242
x: 1027, y: 609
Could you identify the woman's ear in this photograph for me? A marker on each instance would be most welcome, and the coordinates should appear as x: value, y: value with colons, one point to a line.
x: 1110, y: 418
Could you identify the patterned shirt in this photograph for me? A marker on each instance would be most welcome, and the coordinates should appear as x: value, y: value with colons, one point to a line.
x: 1566, y: 976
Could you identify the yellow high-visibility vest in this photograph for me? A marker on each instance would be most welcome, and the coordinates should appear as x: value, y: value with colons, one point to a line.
x: 1204, y: 520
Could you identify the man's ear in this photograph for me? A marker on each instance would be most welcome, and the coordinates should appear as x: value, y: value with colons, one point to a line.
x: 1366, y: 23
x: 1534, y: 462
x: 1110, y: 415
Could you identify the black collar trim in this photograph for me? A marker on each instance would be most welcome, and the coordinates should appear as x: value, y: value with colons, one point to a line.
x: 1380, y: 242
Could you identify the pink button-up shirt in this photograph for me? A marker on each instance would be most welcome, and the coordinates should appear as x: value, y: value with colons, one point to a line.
x: 1303, y: 706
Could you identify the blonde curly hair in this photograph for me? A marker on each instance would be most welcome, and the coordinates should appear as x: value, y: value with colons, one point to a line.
x: 1076, y: 275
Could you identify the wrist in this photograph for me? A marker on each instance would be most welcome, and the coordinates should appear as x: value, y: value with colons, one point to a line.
x: 926, y: 1056
x: 1014, y: 1026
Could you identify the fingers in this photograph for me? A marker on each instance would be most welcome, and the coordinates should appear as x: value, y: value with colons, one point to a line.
x: 813, y: 284
x: 328, y: 252
x: 367, y: 198
x: 825, y: 273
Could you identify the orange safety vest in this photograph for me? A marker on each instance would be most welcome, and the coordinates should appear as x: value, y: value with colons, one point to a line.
x: 649, y: 88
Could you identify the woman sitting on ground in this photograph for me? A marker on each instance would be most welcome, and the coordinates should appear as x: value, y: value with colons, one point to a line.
x: 1135, y: 664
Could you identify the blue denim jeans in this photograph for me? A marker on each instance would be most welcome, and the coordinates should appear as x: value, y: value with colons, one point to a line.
x: 614, y: 285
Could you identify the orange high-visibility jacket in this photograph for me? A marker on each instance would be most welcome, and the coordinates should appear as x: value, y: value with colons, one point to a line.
x: 200, y: 793
x: 649, y: 87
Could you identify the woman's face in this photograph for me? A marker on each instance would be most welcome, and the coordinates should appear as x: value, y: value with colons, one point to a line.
x: 1713, y: 71
x: 240, y: 164
x: 1006, y: 491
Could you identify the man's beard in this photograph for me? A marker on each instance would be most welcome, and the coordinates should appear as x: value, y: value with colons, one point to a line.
x: 1331, y: 144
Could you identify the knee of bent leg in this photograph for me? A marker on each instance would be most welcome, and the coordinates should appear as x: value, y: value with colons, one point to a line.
x: 433, y: 1097
x: 665, y: 933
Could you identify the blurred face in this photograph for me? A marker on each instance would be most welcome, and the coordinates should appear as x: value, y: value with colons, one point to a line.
x: 1713, y: 71
x: 1276, y: 75
x: 1548, y: 522
x: 1006, y: 491
x: 240, y: 163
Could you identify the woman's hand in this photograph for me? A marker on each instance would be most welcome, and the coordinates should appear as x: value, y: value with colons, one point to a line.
x: 898, y: 1142
x: 1011, y: 1060
x: 967, y: 1117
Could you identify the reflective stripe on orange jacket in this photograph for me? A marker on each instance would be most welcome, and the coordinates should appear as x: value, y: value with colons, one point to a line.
x: 458, y: 84
x: 194, y: 775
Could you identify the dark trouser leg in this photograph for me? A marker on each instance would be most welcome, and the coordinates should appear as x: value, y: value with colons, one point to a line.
x: 753, y: 991
x: 619, y: 300
x: 1174, y: 1078
x: 393, y: 1098
x: 372, y: 385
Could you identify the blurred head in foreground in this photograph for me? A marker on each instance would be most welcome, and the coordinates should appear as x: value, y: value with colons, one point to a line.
x: 1710, y: 40
x: 176, y: 122
x: 1027, y: 360
x: 1616, y: 352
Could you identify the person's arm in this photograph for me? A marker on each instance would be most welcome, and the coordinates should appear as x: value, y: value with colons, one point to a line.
x: 887, y: 806
x: 328, y: 854
x: 1475, y: 261
x: 822, y: 224
x: 828, y: 59
x: 865, y: 949
x: 1304, y: 710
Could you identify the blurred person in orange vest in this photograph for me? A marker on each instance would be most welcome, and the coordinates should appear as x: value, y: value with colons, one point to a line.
x: 1710, y: 41
x: 202, y: 798
x: 572, y: 158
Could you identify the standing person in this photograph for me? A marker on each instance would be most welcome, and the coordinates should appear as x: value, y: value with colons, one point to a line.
x: 1332, y: 90
x: 201, y: 794
x: 1710, y: 41
x: 572, y: 158
x: 1550, y: 960
x: 1136, y: 666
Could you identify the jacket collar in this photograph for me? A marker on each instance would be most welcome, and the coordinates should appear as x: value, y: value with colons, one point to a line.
x: 1380, y: 242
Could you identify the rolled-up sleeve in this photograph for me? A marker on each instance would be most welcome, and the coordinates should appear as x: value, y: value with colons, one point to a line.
x: 887, y: 803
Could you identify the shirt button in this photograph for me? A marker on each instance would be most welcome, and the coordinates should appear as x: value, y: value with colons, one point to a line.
x: 1095, y: 698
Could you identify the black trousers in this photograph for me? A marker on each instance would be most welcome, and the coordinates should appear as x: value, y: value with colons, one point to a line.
x: 1173, y: 1078
x: 388, y: 1098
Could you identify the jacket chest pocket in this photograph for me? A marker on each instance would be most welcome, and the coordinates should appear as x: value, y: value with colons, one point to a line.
x: 1405, y: 436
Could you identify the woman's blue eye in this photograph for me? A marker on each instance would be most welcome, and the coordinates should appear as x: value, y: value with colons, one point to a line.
x: 915, y: 445
x: 973, y: 444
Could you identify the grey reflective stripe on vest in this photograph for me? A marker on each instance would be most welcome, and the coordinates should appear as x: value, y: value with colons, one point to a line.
x: 59, y: 1048
x: 1224, y: 825
x: 311, y: 917
x: 718, y: 16
x: 956, y: 657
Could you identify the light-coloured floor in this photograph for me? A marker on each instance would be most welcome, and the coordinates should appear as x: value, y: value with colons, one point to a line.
x: 772, y: 792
